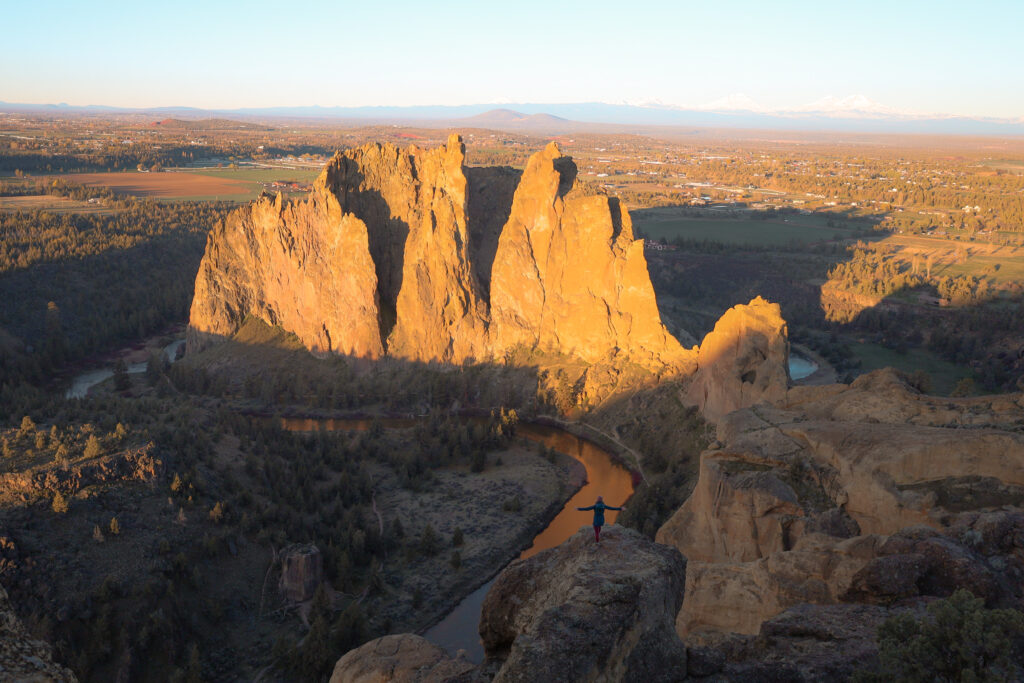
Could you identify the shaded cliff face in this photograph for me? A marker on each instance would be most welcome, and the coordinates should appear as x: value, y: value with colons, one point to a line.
x: 410, y: 254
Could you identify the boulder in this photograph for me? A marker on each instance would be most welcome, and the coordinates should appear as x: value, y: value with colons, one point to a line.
x: 302, y: 571
x: 402, y: 658
x: 584, y: 611
x: 743, y: 361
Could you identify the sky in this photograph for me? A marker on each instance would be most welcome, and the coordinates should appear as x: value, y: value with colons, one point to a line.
x: 930, y: 57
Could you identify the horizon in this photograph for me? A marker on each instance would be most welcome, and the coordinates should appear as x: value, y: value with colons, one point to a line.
x: 778, y: 59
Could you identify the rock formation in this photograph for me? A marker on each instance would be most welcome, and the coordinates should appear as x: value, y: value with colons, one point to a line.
x: 577, y: 612
x: 569, y: 276
x: 583, y: 612
x: 302, y: 570
x: 304, y: 266
x: 829, y: 499
x: 409, y: 253
x: 21, y: 657
x: 402, y: 658
x: 743, y: 361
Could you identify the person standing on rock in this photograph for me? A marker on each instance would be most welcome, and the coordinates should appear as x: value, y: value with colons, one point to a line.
x: 599, y: 507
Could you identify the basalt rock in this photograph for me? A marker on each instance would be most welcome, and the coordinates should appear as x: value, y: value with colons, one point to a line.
x: 588, y: 612
x: 21, y: 657
x: 402, y: 658
x: 302, y: 570
x: 408, y: 253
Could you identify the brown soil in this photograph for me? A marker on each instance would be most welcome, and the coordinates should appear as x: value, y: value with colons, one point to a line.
x: 164, y: 185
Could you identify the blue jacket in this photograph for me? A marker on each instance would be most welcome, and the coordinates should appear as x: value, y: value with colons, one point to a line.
x: 598, y: 509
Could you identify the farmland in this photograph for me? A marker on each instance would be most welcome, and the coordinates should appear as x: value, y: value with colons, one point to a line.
x: 168, y: 186
x: 671, y: 223
x: 55, y: 204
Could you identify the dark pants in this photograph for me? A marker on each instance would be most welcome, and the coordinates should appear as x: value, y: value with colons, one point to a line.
x: 597, y: 533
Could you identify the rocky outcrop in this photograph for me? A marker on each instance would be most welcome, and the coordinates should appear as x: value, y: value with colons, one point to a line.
x: 831, y: 499
x: 302, y: 570
x: 569, y: 276
x: 743, y: 361
x: 737, y: 597
x: 584, y: 612
x: 132, y: 464
x: 304, y: 266
x: 21, y: 657
x: 410, y: 254
x: 415, y: 205
x: 577, y: 612
x: 402, y: 658
x: 803, y: 644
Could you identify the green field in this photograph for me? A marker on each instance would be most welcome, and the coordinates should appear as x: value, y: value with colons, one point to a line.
x: 774, y: 232
x: 944, y: 375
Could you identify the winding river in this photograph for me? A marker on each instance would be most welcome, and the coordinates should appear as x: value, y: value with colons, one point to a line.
x: 459, y: 629
x: 82, y: 383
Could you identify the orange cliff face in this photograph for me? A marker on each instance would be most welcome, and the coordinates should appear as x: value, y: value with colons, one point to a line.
x: 380, y: 259
x: 568, y: 275
x: 304, y: 266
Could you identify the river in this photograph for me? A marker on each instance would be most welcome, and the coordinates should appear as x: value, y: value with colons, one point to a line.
x: 800, y: 367
x: 459, y: 630
x: 85, y: 381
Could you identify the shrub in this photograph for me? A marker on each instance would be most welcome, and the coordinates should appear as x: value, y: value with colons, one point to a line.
x: 958, y: 640
x: 60, y: 505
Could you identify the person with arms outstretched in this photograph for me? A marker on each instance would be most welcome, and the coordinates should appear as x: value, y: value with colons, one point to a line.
x: 599, y: 507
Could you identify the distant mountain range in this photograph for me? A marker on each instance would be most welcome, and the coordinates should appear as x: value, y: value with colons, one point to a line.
x: 847, y: 114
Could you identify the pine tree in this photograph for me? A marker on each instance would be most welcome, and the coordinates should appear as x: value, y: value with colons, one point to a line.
x: 92, y: 447
x: 60, y: 504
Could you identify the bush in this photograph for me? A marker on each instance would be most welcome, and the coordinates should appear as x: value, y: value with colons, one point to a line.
x: 60, y: 505
x: 93, y: 447
x: 958, y: 640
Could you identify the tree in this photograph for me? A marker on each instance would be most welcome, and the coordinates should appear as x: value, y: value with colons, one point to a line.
x: 456, y: 559
x: 92, y: 447
x: 429, y: 544
x: 27, y: 426
x: 115, y: 527
x: 121, y: 379
x: 965, y: 387
x: 60, y: 504
x: 217, y: 513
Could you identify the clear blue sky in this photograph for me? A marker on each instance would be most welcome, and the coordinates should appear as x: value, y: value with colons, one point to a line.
x: 940, y: 57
